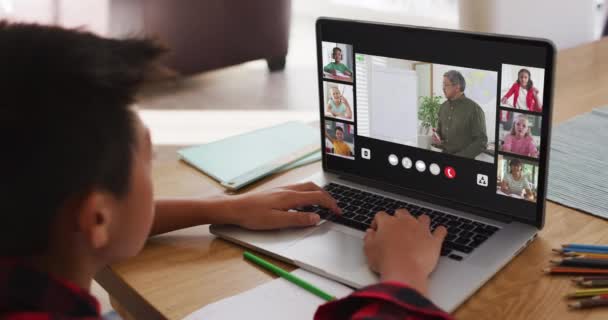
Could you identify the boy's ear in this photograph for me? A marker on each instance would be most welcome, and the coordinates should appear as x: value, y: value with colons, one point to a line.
x: 94, y: 218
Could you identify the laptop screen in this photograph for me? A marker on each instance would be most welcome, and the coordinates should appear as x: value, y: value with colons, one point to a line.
x: 461, y: 117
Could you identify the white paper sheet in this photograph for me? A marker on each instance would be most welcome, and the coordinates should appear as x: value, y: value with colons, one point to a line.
x: 278, y: 299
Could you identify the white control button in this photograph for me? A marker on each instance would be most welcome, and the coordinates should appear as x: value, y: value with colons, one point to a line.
x: 420, y: 166
x: 406, y: 162
x: 434, y: 169
x: 393, y: 160
x: 366, y: 153
x: 482, y: 180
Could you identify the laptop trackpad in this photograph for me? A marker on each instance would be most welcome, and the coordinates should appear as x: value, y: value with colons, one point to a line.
x: 330, y: 250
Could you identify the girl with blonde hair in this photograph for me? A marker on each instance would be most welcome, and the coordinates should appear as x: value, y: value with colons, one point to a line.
x: 519, y: 140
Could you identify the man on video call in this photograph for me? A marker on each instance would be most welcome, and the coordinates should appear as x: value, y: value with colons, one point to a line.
x: 461, y: 129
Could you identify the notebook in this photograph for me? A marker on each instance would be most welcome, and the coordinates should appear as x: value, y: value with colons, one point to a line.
x: 240, y: 160
x: 276, y: 299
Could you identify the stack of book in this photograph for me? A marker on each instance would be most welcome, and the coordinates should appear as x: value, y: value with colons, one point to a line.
x: 591, y: 261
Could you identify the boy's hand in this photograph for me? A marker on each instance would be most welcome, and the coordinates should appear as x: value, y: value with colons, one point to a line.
x: 268, y: 210
x: 402, y: 248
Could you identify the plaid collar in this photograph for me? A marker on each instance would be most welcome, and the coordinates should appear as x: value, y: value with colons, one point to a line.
x: 30, y: 293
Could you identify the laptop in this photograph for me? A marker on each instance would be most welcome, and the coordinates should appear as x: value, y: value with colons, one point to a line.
x: 450, y: 124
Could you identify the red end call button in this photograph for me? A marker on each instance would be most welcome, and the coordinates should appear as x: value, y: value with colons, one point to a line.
x: 449, y: 172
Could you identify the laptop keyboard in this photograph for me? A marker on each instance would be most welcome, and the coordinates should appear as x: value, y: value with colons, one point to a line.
x: 359, y: 207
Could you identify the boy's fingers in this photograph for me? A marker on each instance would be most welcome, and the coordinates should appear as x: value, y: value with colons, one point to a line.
x: 379, y: 219
x: 284, y: 219
x: 440, y: 233
x: 307, y: 186
x: 402, y: 213
x: 374, y: 224
x: 424, y: 219
x: 295, y: 199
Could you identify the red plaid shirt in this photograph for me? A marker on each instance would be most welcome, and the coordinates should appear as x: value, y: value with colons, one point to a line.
x: 29, y: 294
x: 387, y: 300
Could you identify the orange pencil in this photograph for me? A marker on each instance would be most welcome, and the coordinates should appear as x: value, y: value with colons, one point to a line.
x: 570, y: 270
x: 586, y: 255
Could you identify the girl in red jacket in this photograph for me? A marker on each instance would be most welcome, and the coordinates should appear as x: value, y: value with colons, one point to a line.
x: 525, y: 95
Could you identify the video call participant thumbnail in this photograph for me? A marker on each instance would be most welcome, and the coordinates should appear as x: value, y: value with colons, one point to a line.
x: 337, y: 104
x: 461, y: 129
x: 525, y: 95
x: 339, y: 145
x: 519, y: 140
x: 337, y: 65
x: 515, y: 183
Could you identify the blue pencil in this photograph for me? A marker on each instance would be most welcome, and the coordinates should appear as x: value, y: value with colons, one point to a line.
x: 581, y: 250
x: 576, y: 246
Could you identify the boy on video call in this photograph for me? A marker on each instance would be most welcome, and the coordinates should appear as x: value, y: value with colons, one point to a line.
x: 337, y: 65
x: 77, y: 194
x: 340, y: 147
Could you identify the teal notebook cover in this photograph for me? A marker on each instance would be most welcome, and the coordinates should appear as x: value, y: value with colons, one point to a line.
x: 240, y: 160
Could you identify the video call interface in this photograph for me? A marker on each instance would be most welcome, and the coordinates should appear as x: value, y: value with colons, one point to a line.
x: 471, y: 134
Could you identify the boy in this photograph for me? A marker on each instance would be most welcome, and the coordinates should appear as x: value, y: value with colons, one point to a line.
x: 340, y: 147
x: 76, y: 193
x: 337, y: 65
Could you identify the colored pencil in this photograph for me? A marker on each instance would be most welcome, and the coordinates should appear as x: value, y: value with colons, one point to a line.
x: 288, y: 276
x: 589, y: 278
x: 594, y: 283
x: 582, y: 263
x: 570, y: 270
x: 581, y: 250
x: 585, y: 255
x: 585, y: 246
x: 588, y: 293
x: 589, y: 303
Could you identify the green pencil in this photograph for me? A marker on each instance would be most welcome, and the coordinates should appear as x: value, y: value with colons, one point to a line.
x: 288, y: 276
x: 588, y: 292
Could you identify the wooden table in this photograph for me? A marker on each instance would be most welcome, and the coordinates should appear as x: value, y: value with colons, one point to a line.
x: 182, y: 271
